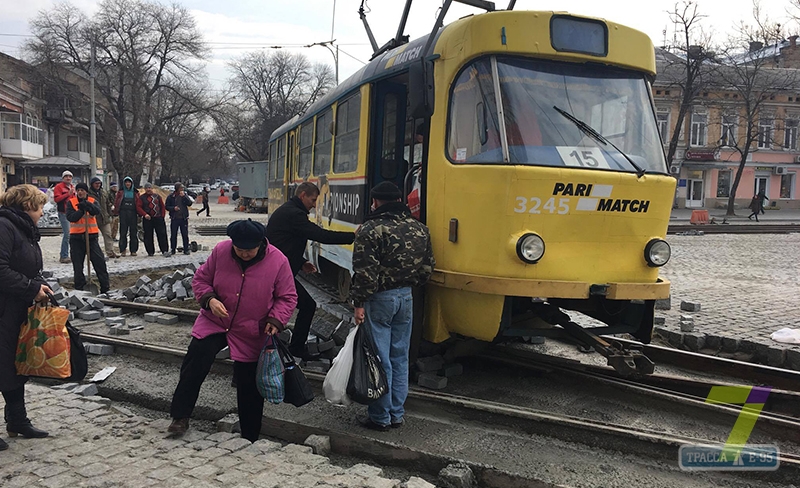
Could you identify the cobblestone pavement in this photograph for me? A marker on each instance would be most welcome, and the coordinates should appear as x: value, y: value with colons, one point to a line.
x: 95, y: 443
x: 748, y: 287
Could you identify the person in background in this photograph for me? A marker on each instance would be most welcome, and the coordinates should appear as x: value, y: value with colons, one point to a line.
x: 755, y: 206
x: 152, y: 210
x: 178, y: 204
x: 391, y: 254
x: 82, y: 212
x: 61, y: 193
x: 762, y: 200
x: 206, y: 208
x: 104, y: 217
x: 21, y: 284
x: 238, y: 316
x: 125, y: 207
x: 112, y: 198
x: 289, y: 230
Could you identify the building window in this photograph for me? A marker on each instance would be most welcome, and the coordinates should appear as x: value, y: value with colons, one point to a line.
x: 790, y: 134
x: 787, y: 185
x: 21, y: 127
x: 728, y: 134
x: 699, y: 129
x: 724, y: 183
x: 322, y: 144
x: 72, y: 143
x: 345, y: 152
x: 765, y: 133
x: 662, y: 118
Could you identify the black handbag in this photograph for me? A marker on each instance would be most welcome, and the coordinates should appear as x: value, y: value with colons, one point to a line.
x: 77, y: 352
x: 297, y: 390
x: 368, y: 380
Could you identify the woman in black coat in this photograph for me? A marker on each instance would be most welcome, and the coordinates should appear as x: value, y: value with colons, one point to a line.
x: 20, y: 285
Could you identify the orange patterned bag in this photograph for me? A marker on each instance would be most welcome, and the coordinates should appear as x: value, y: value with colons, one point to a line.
x: 43, y: 348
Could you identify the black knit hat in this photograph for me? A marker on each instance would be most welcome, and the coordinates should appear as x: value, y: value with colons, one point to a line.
x: 82, y: 186
x: 246, y: 234
x: 386, y: 191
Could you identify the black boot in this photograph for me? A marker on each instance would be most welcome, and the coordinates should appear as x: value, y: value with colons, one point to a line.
x: 3, y: 445
x: 16, y: 417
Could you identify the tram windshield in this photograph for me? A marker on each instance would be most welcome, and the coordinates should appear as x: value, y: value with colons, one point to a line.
x: 613, y: 102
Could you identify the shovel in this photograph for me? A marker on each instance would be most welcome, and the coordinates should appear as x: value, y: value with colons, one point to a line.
x: 90, y: 286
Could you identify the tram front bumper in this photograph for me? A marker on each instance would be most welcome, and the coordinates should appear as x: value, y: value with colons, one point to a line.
x: 492, y: 285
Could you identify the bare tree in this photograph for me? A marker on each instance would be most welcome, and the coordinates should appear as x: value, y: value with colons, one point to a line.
x: 686, y: 69
x: 750, y: 74
x: 144, y: 50
x: 270, y: 88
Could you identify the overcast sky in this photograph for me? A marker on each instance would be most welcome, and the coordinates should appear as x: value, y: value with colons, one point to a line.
x: 232, y: 27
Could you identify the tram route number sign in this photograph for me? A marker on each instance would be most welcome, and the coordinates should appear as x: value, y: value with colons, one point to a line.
x: 734, y: 455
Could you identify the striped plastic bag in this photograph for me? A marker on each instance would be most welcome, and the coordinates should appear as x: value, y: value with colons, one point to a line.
x: 43, y: 348
x: 269, y: 375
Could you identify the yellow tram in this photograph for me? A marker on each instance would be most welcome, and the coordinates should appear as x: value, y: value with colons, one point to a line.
x: 532, y: 142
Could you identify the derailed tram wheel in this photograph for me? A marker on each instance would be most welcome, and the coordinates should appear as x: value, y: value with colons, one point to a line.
x: 343, y: 284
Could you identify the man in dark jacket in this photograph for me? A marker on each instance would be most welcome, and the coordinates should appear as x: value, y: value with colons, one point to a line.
x: 151, y: 208
x: 391, y: 254
x: 205, y: 193
x: 104, y: 217
x: 82, y: 211
x: 178, y: 204
x: 125, y: 207
x: 290, y: 230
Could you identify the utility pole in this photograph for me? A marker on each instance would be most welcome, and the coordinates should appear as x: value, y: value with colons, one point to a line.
x: 92, y: 122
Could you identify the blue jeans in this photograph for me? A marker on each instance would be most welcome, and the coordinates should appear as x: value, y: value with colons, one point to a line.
x: 65, y: 235
x: 389, y: 314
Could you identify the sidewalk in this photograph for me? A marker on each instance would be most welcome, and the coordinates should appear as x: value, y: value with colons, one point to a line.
x: 95, y: 442
x: 783, y: 216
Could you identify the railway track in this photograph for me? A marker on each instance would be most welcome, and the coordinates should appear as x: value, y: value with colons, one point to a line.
x: 219, y: 230
x: 779, y: 419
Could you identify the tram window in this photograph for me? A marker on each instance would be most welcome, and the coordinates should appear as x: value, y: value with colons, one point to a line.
x: 281, y: 159
x: 322, y: 144
x: 272, y: 152
x: 290, y: 157
x: 306, y: 139
x: 570, y: 34
x: 345, y: 150
x: 389, y: 155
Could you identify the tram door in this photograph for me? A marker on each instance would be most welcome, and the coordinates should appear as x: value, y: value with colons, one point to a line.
x: 387, y: 161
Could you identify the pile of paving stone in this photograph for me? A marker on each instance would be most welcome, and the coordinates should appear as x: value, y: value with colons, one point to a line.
x: 174, y: 287
x: 49, y: 217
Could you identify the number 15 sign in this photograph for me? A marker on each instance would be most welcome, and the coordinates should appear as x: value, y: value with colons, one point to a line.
x: 583, y: 157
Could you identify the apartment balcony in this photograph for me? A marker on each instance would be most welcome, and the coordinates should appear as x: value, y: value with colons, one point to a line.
x: 20, y: 137
x: 19, y: 149
x: 79, y: 155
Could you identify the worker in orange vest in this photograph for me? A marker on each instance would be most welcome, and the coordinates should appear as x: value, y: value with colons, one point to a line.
x: 81, y: 212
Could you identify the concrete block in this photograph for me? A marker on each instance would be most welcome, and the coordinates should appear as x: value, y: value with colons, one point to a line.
x: 760, y: 355
x: 792, y: 359
x: 414, y: 482
x: 776, y: 356
x: 114, y: 321
x: 659, y: 320
x: 317, y: 366
x: 187, y: 283
x: 188, y: 272
x: 90, y: 315
x: 181, y: 293
x: 675, y: 338
x: 747, y: 346
x: 152, y: 316
x: 321, y: 444
x: 129, y: 294
x: 144, y: 291
x: 168, y: 279
x: 143, y: 280
x: 664, y: 304
x: 326, y: 345
x: 432, y: 381
x: 94, y: 303
x: 55, y: 286
x: 86, y: 390
x: 178, y: 275
x: 457, y: 476
x: 687, y: 326
x: 118, y: 330
x: 59, y: 296
x: 340, y: 336
x: 76, y: 301
x: 167, y: 319
x: 713, y: 342
x: 112, y: 312
x: 694, y: 342
x: 140, y: 300
x: 453, y: 369
x: 66, y: 386
x: 312, y: 348
x: 690, y: 306
x: 229, y: 423
x: 430, y: 363
x: 729, y: 344
x: 71, y: 317
x: 100, y: 349
x: 685, y: 317
x: 47, y: 274
x: 225, y: 353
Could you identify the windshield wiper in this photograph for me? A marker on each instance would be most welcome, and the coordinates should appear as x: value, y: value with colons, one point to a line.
x: 589, y: 131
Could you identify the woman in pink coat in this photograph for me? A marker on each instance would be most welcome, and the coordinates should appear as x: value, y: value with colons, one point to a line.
x: 246, y: 290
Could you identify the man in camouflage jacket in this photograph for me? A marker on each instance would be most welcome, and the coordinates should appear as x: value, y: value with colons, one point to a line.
x: 391, y: 253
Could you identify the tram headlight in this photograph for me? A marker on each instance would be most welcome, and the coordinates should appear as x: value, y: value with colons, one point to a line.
x: 530, y: 248
x: 657, y: 252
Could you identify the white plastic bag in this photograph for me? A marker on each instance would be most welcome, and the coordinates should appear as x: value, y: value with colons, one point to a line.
x: 787, y: 336
x: 335, y: 384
